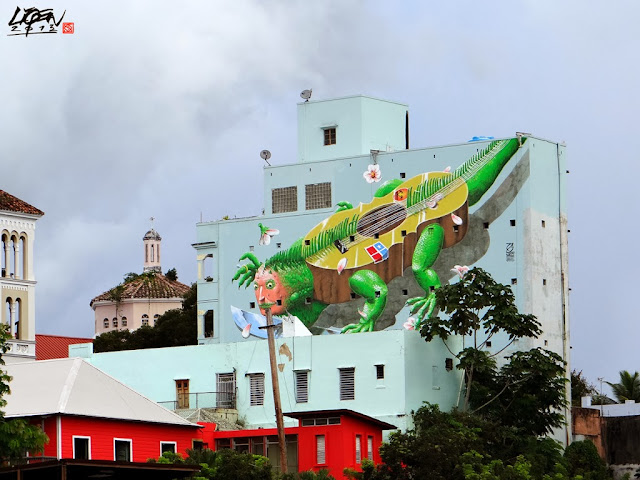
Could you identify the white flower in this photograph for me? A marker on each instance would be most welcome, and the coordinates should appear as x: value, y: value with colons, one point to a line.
x: 372, y: 174
x: 246, y: 331
x: 461, y: 270
x: 447, y: 170
x: 410, y: 324
x: 456, y: 219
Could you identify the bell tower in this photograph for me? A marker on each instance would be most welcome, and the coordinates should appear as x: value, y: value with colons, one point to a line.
x: 152, y: 240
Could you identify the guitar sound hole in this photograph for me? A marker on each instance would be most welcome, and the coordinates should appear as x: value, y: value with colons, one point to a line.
x: 381, y: 220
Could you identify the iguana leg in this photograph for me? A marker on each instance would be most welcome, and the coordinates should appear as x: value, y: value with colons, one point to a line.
x: 369, y: 285
x: 426, y: 252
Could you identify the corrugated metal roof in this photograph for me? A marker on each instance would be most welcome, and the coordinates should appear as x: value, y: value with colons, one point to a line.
x: 49, y: 347
x: 72, y: 386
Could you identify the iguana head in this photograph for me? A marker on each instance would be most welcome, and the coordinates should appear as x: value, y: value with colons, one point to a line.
x: 270, y: 291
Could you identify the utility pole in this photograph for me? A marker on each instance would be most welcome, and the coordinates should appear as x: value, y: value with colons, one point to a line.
x: 276, y: 391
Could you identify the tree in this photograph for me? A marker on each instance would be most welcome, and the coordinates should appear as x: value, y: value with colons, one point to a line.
x: 580, y: 387
x: 172, y: 274
x: 17, y: 436
x: 628, y: 388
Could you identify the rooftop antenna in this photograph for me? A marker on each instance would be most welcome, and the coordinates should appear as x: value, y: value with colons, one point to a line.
x: 266, y: 155
x: 306, y: 94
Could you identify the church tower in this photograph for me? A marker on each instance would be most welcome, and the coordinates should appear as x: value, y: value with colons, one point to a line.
x: 17, y: 281
x: 152, y: 240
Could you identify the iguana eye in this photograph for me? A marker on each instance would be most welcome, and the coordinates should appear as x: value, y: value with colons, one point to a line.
x: 270, y: 284
x: 255, y: 286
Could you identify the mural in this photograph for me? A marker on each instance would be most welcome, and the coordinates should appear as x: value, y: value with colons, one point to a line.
x: 359, y: 251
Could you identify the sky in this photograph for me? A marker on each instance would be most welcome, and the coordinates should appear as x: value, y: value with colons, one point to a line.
x: 155, y: 108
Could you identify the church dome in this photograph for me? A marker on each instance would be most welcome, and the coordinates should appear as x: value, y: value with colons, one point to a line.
x: 152, y: 235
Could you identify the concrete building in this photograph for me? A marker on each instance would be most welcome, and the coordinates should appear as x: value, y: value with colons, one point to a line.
x: 140, y: 300
x: 498, y: 204
x: 17, y: 279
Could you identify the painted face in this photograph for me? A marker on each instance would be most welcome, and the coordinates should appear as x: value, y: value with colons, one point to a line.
x: 270, y: 290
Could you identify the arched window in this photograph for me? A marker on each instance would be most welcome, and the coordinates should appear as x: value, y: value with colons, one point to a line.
x: 24, y: 264
x: 124, y: 321
x: 115, y: 322
x: 105, y: 323
x: 155, y: 319
x: 16, y: 318
x: 145, y: 320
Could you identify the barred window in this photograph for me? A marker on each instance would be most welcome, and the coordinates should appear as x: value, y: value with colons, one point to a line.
x: 105, y: 323
x: 358, y: 449
x: 302, y: 386
x: 256, y: 387
x: 145, y: 320
x: 124, y: 321
x: 284, y: 199
x: 318, y: 196
x: 370, y: 448
x: 115, y: 322
x: 347, y: 383
x: 320, y: 450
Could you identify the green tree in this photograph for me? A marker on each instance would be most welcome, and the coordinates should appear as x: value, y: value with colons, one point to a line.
x: 583, y: 459
x: 580, y: 387
x: 628, y: 388
x: 17, y: 436
x: 478, y: 307
x: 172, y: 274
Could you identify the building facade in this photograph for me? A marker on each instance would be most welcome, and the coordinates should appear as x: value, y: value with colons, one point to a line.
x: 17, y: 279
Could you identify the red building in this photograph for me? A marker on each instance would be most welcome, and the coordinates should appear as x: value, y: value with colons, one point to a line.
x: 49, y: 347
x: 89, y: 415
x: 327, y: 439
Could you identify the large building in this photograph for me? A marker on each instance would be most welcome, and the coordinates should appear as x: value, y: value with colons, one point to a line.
x: 494, y: 203
x: 140, y: 299
x: 17, y: 280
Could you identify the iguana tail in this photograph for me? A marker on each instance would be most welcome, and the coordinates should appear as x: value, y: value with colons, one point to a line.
x: 483, y: 168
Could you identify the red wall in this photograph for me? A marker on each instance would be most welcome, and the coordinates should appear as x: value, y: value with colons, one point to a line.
x: 146, y: 437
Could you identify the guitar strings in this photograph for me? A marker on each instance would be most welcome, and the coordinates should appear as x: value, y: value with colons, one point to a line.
x: 368, y: 231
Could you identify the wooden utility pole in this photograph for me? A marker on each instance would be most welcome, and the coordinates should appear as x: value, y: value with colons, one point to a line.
x: 276, y: 391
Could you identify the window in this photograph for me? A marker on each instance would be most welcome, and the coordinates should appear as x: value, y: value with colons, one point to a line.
x: 302, y: 386
x: 256, y: 387
x: 115, y: 323
x: 379, y: 372
x: 197, y: 445
x: 145, y: 320
x: 105, y: 323
x: 310, y: 422
x: 121, y: 450
x: 124, y: 321
x: 347, y: 383
x: 370, y: 448
x: 226, y: 390
x: 358, y: 449
x: 82, y: 448
x: 208, y: 324
x: 284, y: 199
x: 182, y: 393
x: 320, y: 451
x: 330, y: 136
x: 167, y: 447
x: 155, y: 319
x: 317, y: 195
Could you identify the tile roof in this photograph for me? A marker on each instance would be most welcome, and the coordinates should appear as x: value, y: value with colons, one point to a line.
x: 147, y: 285
x: 55, y: 346
x: 13, y: 204
x: 72, y: 386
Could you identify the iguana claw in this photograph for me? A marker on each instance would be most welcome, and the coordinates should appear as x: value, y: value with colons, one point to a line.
x: 343, y: 206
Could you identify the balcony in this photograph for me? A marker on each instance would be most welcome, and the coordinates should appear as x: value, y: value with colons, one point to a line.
x: 21, y: 348
x: 190, y: 401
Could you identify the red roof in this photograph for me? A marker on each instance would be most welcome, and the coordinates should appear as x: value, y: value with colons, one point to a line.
x: 53, y: 346
x: 154, y: 285
x: 13, y: 204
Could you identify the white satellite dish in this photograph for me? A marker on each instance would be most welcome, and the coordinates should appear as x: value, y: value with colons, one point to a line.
x: 306, y: 94
x: 265, y: 155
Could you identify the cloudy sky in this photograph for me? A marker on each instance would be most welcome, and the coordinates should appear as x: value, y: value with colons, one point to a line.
x: 160, y: 109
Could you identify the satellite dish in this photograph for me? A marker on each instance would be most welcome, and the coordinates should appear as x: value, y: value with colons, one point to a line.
x: 265, y: 155
x: 306, y: 94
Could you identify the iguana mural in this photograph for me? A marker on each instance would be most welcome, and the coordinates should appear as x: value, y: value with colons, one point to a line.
x: 357, y: 250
